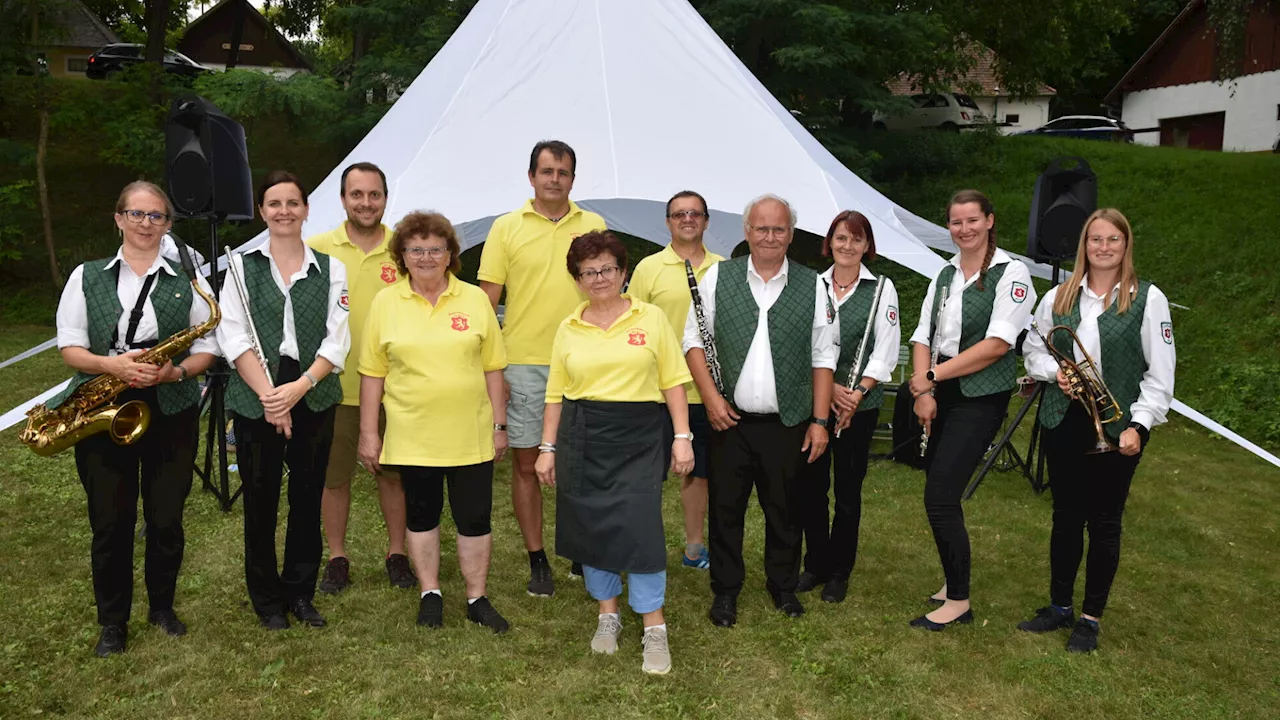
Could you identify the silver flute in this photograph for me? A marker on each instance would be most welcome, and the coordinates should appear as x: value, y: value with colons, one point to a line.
x: 855, y: 373
x: 708, y: 341
x: 934, y: 343
x: 254, y: 341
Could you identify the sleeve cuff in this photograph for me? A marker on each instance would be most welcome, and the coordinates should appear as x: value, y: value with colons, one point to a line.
x: 495, y: 367
x: 234, y: 350
x: 878, y: 371
x: 73, y: 339
x: 1143, y: 418
x: 486, y: 277
x: 680, y: 379
x: 333, y: 355
x: 1003, y: 330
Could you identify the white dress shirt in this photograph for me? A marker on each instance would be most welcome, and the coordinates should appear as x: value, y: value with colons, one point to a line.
x: 233, y: 332
x: 757, y: 390
x: 884, y: 354
x: 1155, y: 391
x: 1015, y: 297
x: 73, y: 313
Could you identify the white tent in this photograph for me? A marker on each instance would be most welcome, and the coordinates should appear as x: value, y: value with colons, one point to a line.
x: 651, y: 100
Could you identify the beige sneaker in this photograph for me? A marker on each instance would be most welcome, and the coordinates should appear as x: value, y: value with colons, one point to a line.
x: 657, y: 655
x: 607, y: 632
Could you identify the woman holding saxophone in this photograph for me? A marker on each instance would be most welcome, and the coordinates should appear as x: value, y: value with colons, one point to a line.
x: 285, y: 330
x: 110, y: 312
x: 865, y: 310
x: 1105, y: 324
x: 964, y: 371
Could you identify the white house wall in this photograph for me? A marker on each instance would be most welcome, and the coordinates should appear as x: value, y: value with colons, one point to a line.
x: 1032, y: 113
x: 1251, y: 112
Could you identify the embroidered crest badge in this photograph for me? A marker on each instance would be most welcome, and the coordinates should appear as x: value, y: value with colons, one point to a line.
x: 636, y: 337
x: 389, y: 274
x: 460, y: 321
x: 1166, y: 332
x: 892, y: 315
x: 344, y: 301
x: 1018, y: 292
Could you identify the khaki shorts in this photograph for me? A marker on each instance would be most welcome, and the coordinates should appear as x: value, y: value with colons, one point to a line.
x: 524, y: 408
x: 346, y: 437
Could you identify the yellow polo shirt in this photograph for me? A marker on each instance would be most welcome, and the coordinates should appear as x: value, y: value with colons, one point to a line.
x: 660, y: 279
x: 433, y: 360
x: 633, y: 361
x: 526, y: 252
x: 367, y: 274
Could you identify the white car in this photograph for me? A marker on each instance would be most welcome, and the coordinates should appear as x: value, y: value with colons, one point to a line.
x: 943, y: 111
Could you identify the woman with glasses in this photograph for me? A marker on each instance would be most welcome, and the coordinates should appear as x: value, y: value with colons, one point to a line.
x: 433, y: 357
x: 614, y: 362
x: 964, y: 371
x: 295, y: 323
x: 110, y: 312
x: 1124, y: 326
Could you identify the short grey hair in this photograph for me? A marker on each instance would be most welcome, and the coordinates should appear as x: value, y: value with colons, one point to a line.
x: 746, y: 213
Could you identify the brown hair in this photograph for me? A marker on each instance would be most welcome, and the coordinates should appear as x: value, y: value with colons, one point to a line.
x: 964, y: 197
x: 279, y: 177
x: 1070, y: 290
x: 856, y: 222
x: 592, y: 245
x: 425, y: 224
x: 558, y: 150
x: 143, y: 186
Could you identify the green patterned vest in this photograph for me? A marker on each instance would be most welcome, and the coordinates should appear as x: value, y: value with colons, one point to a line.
x: 310, y: 297
x: 171, y: 298
x: 853, y: 322
x: 1123, y: 363
x: 790, y: 324
x: 975, y: 315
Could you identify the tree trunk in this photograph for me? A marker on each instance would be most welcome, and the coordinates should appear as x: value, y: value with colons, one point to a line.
x: 42, y: 186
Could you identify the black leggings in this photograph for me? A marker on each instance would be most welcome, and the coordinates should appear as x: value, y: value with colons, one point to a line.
x: 831, y: 550
x: 470, y: 497
x: 1089, y: 491
x: 962, y: 432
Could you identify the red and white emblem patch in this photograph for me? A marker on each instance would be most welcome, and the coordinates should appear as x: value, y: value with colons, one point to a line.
x: 1166, y: 332
x: 892, y: 315
x: 636, y: 337
x: 1019, y: 292
x: 344, y: 301
x: 460, y: 321
x: 389, y: 273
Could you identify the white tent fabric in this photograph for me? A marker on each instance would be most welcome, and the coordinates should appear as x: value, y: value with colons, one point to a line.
x: 652, y: 101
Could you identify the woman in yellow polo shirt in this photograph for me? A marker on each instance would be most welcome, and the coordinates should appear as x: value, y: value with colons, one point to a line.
x: 433, y: 357
x: 613, y: 362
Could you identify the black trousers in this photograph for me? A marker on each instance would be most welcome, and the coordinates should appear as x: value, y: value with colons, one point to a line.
x: 159, y: 466
x: 262, y: 454
x: 1089, y: 492
x: 831, y: 550
x: 962, y: 432
x: 762, y: 452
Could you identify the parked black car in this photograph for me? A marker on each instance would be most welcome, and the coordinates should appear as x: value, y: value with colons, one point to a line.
x: 1089, y: 127
x: 113, y: 58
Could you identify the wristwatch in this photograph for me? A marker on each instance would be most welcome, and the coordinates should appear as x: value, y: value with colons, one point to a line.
x: 182, y: 369
x: 861, y: 388
x: 820, y: 422
x: 499, y: 426
x: 684, y: 436
x: 930, y: 375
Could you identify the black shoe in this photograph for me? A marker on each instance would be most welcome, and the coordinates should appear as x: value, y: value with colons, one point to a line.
x: 1048, y: 619
x: 835, y: 590
x: 306, y: 612
x: 788, y: 603
x: 481, y: 612
x: 337, y: 576
x: 168, y: 621
x: 111, y: 641
x: 541, y: 584
x: 575, y: 571
x: 807, y: 581
x: 274, y: 621
x: 935, y: 601
x: 931, y: 626
x: 724, y: 611
x: 1084, y: 637
x: 431, y: 611
x: 398, y: 571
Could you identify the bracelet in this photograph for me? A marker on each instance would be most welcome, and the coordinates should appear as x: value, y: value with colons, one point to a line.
x: 546, y: 447
x: 307, y: 374
x: 820, y: 422
x: 684, y: 436
x: 499, y: 427
x: 182, y: 369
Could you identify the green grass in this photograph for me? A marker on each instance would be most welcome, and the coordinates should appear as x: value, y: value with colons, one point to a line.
x: 1186, y: 635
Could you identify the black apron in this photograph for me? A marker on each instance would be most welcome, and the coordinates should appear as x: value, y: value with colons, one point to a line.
x: 610, y: 465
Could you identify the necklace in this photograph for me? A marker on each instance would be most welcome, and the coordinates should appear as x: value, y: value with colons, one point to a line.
x: 845, y: 286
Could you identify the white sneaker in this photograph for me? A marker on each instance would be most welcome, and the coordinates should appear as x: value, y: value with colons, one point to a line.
x: 608, y: 631
x: 657, y: 654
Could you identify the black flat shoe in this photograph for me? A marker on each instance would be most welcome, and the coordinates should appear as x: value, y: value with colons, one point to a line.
x: 807, y: 581
x: 789, y: 604
x: 835, y: 590
x: 1084, y: 637
x: 111, y: 641
x: 724, y: 611
x: 935, y: 601
x: 1047, y: 619
x: 167, y: 621
x: 274, y: 621
x: 302, y: 609
x: 931, y: 626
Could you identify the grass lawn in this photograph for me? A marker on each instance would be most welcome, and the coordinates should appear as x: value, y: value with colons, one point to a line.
x: 1188, y: 633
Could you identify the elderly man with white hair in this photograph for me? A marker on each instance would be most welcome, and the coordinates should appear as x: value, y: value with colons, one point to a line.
x: 768, y: 321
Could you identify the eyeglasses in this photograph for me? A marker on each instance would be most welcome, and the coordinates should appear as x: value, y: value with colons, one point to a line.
x: 136, y: 217
x: 690, y: 214
x: 608, y: 272
x: 767, y: 230
x: 417, y: 252
x: 1098, y: 240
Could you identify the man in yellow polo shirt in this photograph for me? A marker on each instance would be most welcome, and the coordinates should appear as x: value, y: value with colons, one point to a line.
x: 526, y: 253
x: 661, y: 279
x: 361, y: 244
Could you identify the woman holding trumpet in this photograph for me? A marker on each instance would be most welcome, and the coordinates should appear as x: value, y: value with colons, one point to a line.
x: 963, y: 373
x: 865, y: 311
x: 1113, y: 329
x: 284, y: 328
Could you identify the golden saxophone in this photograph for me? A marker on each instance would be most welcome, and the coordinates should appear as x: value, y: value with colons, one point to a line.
x: 1087, y: 386
x: 90, y: 410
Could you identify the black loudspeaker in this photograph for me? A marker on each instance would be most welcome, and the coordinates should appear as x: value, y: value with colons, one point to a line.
x: 1063, y: 199
x: 206, y: 162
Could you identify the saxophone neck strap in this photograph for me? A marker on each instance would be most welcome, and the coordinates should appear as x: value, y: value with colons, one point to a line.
x: 135, y: 315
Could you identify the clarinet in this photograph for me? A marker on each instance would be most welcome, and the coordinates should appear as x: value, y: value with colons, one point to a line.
x: 854, y: 371
x: 934, y: 344
x: 708, y: 341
